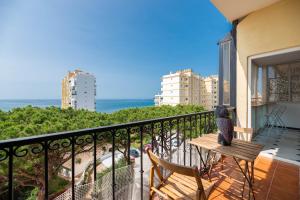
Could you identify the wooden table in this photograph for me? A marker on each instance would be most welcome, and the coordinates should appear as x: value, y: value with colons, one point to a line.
x: 239, y: 150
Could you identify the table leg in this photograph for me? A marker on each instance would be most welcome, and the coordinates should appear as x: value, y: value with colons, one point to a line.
x: 201, y: 158
x: 252, y: 171
x: 248, y: 177
x: 205, y: 168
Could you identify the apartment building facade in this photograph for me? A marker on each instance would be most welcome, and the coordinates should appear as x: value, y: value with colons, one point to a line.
x: 79, y: 91
x: 185, y: 87
x: 181, y: 87
x: 260, y: 60
x: 209, y: 92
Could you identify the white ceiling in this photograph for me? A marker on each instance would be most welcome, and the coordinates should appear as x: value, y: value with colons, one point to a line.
x: 235, y: 9
x: 279, y: 59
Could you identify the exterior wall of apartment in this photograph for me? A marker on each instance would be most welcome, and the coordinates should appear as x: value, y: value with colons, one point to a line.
x: 273, y: 28
x: 209, y: 92
x: 79, y: 91
x: 187, y: 88
x: 182, y: 87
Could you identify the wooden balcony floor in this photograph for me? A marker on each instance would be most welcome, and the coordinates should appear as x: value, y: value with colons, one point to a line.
x: 273, y: 180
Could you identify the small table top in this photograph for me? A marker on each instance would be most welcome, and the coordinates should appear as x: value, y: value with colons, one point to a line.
x: 239, y: 149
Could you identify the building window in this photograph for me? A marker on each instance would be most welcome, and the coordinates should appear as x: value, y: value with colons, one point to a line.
x: 226, y: 72
x: 283, y: 83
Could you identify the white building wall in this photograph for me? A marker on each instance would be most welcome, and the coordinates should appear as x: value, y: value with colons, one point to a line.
x: 82, y: 87
x: 85, y: 91
x: 209, y: 92
x: 187, y: 88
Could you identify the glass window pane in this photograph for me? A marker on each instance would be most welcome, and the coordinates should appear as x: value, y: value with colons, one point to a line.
x: 226, y: 72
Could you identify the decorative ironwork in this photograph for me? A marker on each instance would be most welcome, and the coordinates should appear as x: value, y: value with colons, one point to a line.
x: 20, y: 151
x: 59, y: 144
x: 3, y: 154
x: 37, y: 148
x: 168, y: 135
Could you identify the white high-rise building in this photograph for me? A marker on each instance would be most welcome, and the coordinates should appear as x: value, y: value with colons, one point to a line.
x: 188, y: 88
x: 79, y: 91
x: 209, y: 92
x: 181, y: 87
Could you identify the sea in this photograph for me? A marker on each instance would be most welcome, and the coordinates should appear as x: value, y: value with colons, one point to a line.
x: 102, y: 105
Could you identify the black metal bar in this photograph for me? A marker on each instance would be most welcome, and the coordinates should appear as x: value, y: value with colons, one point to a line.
x: 142, y: 167
x: 196, y: 125
x: 178, y: 144
x: 162, y: 139
x: 171, y: 140
x: 113, y: 165
x: 73, y: 166
x: 191, y: 129
x: 10, y: 174
x: 152, y: 137
x: 46, y: 169
x: 128, y: 145
x: 177, y: 131
x: 209, y: 122
x: 184, y: 143
x: 205, y: 124
x: 95, y: 157
x: 200, y: 124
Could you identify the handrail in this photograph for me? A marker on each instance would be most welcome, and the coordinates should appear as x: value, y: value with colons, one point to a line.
x: 80, y: 132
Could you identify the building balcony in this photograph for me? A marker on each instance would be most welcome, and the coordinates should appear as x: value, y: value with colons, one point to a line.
x: 110, y: 162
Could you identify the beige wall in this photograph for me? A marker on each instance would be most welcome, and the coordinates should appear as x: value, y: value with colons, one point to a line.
x: 272, y: 28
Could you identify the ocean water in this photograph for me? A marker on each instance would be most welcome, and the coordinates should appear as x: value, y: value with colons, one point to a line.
x: 102, y: 105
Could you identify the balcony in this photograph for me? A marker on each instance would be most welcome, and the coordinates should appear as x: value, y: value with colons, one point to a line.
x: 104, y: 163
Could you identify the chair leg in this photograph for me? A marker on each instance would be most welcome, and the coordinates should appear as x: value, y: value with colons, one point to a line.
x: 222, y: 162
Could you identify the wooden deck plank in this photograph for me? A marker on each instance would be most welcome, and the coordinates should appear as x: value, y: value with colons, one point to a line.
x: 273, y: 180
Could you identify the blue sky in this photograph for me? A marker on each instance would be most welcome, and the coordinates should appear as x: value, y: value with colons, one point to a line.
x: 127, y: 44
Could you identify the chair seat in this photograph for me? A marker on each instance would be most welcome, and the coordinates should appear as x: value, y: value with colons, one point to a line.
x: 179, y: 186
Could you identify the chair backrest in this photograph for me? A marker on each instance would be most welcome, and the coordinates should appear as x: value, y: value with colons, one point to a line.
x: 175, y: 168
x: 243, y: 133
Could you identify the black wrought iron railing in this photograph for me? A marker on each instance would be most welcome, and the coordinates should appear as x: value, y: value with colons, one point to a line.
x: 39, y: 161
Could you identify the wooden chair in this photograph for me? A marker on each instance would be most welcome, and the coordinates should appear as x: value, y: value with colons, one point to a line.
x: 243, y: 133
x: 182, y: 182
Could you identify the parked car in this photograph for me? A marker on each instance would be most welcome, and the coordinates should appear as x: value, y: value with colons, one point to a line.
x: 174, y: 143
x: 134, y: 152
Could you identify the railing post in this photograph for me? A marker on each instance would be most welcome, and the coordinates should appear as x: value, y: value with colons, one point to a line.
x: 200, y: 124
x: 142, y: 167
x: 10, y: 174
x: 162, y: 139
x: 171, y: 141
x: 205, y: 124
x: 152, y: 137
x: 46, y: 169
x: 73, y: 166
x: 95, y: 157
x: 128, y: 145
x: 184, y: 143
x: 113, y: 164
x: 190, y: 140
x: 177, y: 137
